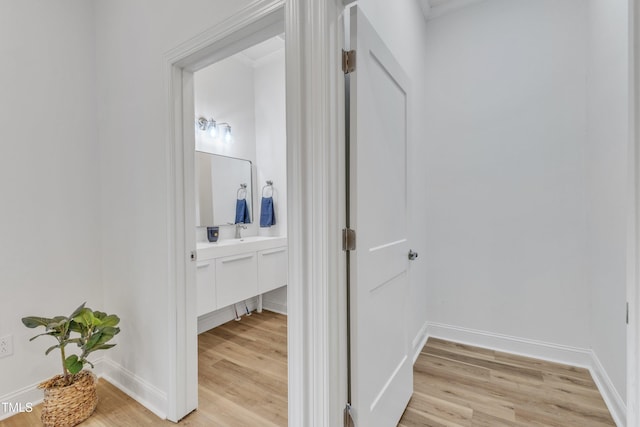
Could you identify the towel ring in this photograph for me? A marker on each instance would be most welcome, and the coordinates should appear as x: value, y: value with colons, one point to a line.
x: 243, y: 187
x: 269, y: 185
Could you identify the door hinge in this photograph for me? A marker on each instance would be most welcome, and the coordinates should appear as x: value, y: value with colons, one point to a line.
x: 348, y: 239
x: 627, y: 313
x: 348, y: 61
x: 348, y: 419
x: 193, y: 256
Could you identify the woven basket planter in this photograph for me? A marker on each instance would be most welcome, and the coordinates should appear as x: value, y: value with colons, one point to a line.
x: 69, y: 405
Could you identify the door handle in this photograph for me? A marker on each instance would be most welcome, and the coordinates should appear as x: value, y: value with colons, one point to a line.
x: 412, y: 255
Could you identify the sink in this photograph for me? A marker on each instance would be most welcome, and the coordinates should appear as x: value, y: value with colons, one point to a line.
x: 227, y: 247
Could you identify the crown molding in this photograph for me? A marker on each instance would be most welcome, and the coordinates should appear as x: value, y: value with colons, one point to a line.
x: 435, y: 8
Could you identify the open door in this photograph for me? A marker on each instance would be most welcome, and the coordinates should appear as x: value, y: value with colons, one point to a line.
x: 377, y: 90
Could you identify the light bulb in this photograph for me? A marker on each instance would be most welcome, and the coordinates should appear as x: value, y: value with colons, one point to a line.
x: 227, y: 134
x: 213, y: 128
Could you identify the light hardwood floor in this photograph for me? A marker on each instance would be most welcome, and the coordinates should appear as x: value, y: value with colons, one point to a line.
x: 242, y: 382
x: 459, y: 385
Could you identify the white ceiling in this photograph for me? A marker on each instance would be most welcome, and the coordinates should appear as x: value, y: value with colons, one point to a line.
x: 261, y: 50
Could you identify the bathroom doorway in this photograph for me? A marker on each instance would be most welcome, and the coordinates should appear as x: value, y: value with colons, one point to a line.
x: 248, y: 27
x: 240, y: 208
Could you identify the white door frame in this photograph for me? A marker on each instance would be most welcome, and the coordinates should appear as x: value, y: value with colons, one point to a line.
x: 633, y: 249
x: 316, y: 321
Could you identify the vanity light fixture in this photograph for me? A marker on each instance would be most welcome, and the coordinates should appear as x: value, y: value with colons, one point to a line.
x: 208, y: 126
x: 212, y: 126
x: 226, y: 131
x: 202, y: 123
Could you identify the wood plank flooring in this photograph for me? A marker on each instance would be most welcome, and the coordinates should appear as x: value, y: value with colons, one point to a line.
x: 459, y: 385
x: 243, y: 383
x: 242, y: 368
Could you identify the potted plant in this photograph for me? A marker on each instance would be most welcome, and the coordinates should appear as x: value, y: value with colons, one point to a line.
x: 71, y: 398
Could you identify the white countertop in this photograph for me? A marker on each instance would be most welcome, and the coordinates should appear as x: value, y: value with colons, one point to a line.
x: 229, y: 247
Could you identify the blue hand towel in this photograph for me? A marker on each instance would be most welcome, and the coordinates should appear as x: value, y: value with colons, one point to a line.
x: 267, y: 215
x: 242, y: 212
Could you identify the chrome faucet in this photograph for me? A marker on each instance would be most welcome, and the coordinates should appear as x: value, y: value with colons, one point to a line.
x: 239, y: 227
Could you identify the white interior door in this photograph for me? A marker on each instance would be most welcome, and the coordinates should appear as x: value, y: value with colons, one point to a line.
x: 381, y: 367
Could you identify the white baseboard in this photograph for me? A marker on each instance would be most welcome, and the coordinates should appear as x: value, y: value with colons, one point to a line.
x: 135, y: 387
x: 521, y: 346
x: 32, y: 395
x: 419, y: 341
x: 275, y: 306
x: 580, y: 357
x: 224, y: 315
x: 617, y: 406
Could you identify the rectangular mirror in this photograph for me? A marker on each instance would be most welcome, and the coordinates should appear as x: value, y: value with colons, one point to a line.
x: 223, y: 190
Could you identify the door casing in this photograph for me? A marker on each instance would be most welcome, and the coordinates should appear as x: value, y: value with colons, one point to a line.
x: 317, y: 380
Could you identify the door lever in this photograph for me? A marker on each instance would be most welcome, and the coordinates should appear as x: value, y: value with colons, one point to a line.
x: 412, y: 255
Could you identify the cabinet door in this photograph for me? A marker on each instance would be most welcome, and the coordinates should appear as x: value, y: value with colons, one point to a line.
x: 272, y: 269
x: 236, y: 278
x: 206, y: 286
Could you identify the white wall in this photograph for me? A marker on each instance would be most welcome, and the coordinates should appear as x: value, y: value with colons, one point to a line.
x: 506, y: 182
x: 271, y: 152
x: 607, y: 130
x: 271, y: 136
x: 49, y: 178
x: 250, y: 95
x: 132, y: 38
x: 403, y: 30
x: 225, y: 91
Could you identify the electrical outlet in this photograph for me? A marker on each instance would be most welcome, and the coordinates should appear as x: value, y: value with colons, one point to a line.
x: 6, y: 346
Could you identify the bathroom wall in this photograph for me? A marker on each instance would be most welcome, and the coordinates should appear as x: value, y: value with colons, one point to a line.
x: 271, y: 151
x: 607, y: 178
x: 271, y: 135
x: 225, y: 91
x: 506, y: 181
x: 49, y: 180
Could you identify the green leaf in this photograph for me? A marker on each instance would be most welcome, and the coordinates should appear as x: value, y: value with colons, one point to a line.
x: 50, y: 349
x: 57, y: 326
x: 75, y: 327
x: 53, y: 334
x: 93, y: 341
x: 84, y: 317
x: 111, y: 331
x: 73, y: 364
x: 110, y: 320
x: 77, y: 311
x: 103, y: 347
x: 34, y: 321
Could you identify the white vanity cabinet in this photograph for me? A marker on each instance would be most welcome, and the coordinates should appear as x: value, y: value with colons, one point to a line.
x: 232, y: 271
x: 205, y: 286
x: 236, y: 278
x: 272, y: 269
